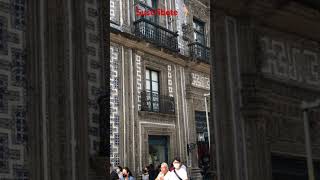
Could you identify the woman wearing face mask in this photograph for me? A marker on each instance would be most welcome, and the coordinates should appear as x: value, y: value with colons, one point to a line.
x: 145, y: 174
x: 127, y: 175
x: 119, y: 171
x: 178, y: 173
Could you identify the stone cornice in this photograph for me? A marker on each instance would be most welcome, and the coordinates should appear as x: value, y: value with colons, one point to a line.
x: 287, y: 16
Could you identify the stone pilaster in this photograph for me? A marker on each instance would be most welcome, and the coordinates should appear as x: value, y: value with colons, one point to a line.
x: 228, y: 127
x: 257, y: 149
x: 194, y: 170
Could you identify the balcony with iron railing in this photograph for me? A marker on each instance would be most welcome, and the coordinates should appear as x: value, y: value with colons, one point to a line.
x: 200, y: 52
x: 158, y: 103
x: 147, y: 28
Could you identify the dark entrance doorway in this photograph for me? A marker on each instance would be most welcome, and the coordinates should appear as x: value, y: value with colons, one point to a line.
x: 292, y: 168
x: 203, y: 142
x: 158, y: 149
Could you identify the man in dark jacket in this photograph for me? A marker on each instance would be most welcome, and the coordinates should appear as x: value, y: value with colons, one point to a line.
x: 152, y: 172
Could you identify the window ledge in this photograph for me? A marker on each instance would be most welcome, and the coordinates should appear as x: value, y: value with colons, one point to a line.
x: 157, y: 114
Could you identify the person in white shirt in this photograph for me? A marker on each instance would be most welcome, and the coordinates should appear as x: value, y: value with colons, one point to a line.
x: 164, y: 172
x: 145, y: 174
x: 178, y: 173
x: 184, y: 167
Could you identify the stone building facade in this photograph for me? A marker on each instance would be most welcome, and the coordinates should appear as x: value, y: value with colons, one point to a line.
x: 53, y: 87
x: 159, y: 75
x: 51, y: 77
x: 13, y: 86
x: 267, y: 57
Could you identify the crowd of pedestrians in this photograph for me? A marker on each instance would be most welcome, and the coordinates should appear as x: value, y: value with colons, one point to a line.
x: 176, y: 171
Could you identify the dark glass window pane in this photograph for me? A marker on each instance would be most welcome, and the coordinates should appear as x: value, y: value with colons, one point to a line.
x: 155, y: 86
x: 148, y: 85
x: 198, y: 31
x: 147, y: 74
x: 154, y: 76
x: 155, y: 106
x: 152, y: 89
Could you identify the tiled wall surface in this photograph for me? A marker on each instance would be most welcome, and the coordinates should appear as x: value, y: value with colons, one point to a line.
x: 13, y: 84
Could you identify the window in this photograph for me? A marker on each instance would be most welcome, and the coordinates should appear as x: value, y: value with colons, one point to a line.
x: 198, y: 27
x: 148, y: 5
x: 202, y: 141
x: 201, y: 126
x: 152, y: 90
x: 292, y: 168
x: 152, y: 3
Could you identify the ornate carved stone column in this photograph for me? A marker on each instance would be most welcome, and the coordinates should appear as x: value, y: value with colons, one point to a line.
x: 254, y: 114
x: 195, y: 171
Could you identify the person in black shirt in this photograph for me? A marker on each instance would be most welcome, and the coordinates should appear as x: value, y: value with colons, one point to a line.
x: 152, y: 172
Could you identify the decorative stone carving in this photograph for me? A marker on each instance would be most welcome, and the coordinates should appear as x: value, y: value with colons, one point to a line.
x: 139, y: 80
x: 114, y: 106
x: 200, y: 81
x: 115, y: 11
x: 94, y: 74
x: 284, y: 61
x: 199, y: 10
x: 187, y: 31
x: 170, y: 81
x: 13, y: 91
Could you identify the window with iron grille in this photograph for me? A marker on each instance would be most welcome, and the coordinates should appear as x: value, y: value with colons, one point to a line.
x: 152, y: 90
x: 198, y: 27
x: 152, y: 3
x: 198, y: 48
x: 146, y: 6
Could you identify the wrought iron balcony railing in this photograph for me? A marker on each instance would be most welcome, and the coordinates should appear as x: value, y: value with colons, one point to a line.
x: 153, y: 33
x: 199, y: 51
x: 157, y: 103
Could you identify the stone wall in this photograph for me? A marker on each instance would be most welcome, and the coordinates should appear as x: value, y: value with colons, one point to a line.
x: 115, y: 54
x: 95, y: 78
x: 13, y: 127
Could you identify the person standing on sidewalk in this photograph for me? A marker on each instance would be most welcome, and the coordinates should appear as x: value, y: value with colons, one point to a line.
x: 152, y: 172
x: 119, y: 171
x: 145, y: 174
x: 164, y: 172
x: 127, y: 175
x: 178, y: 173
